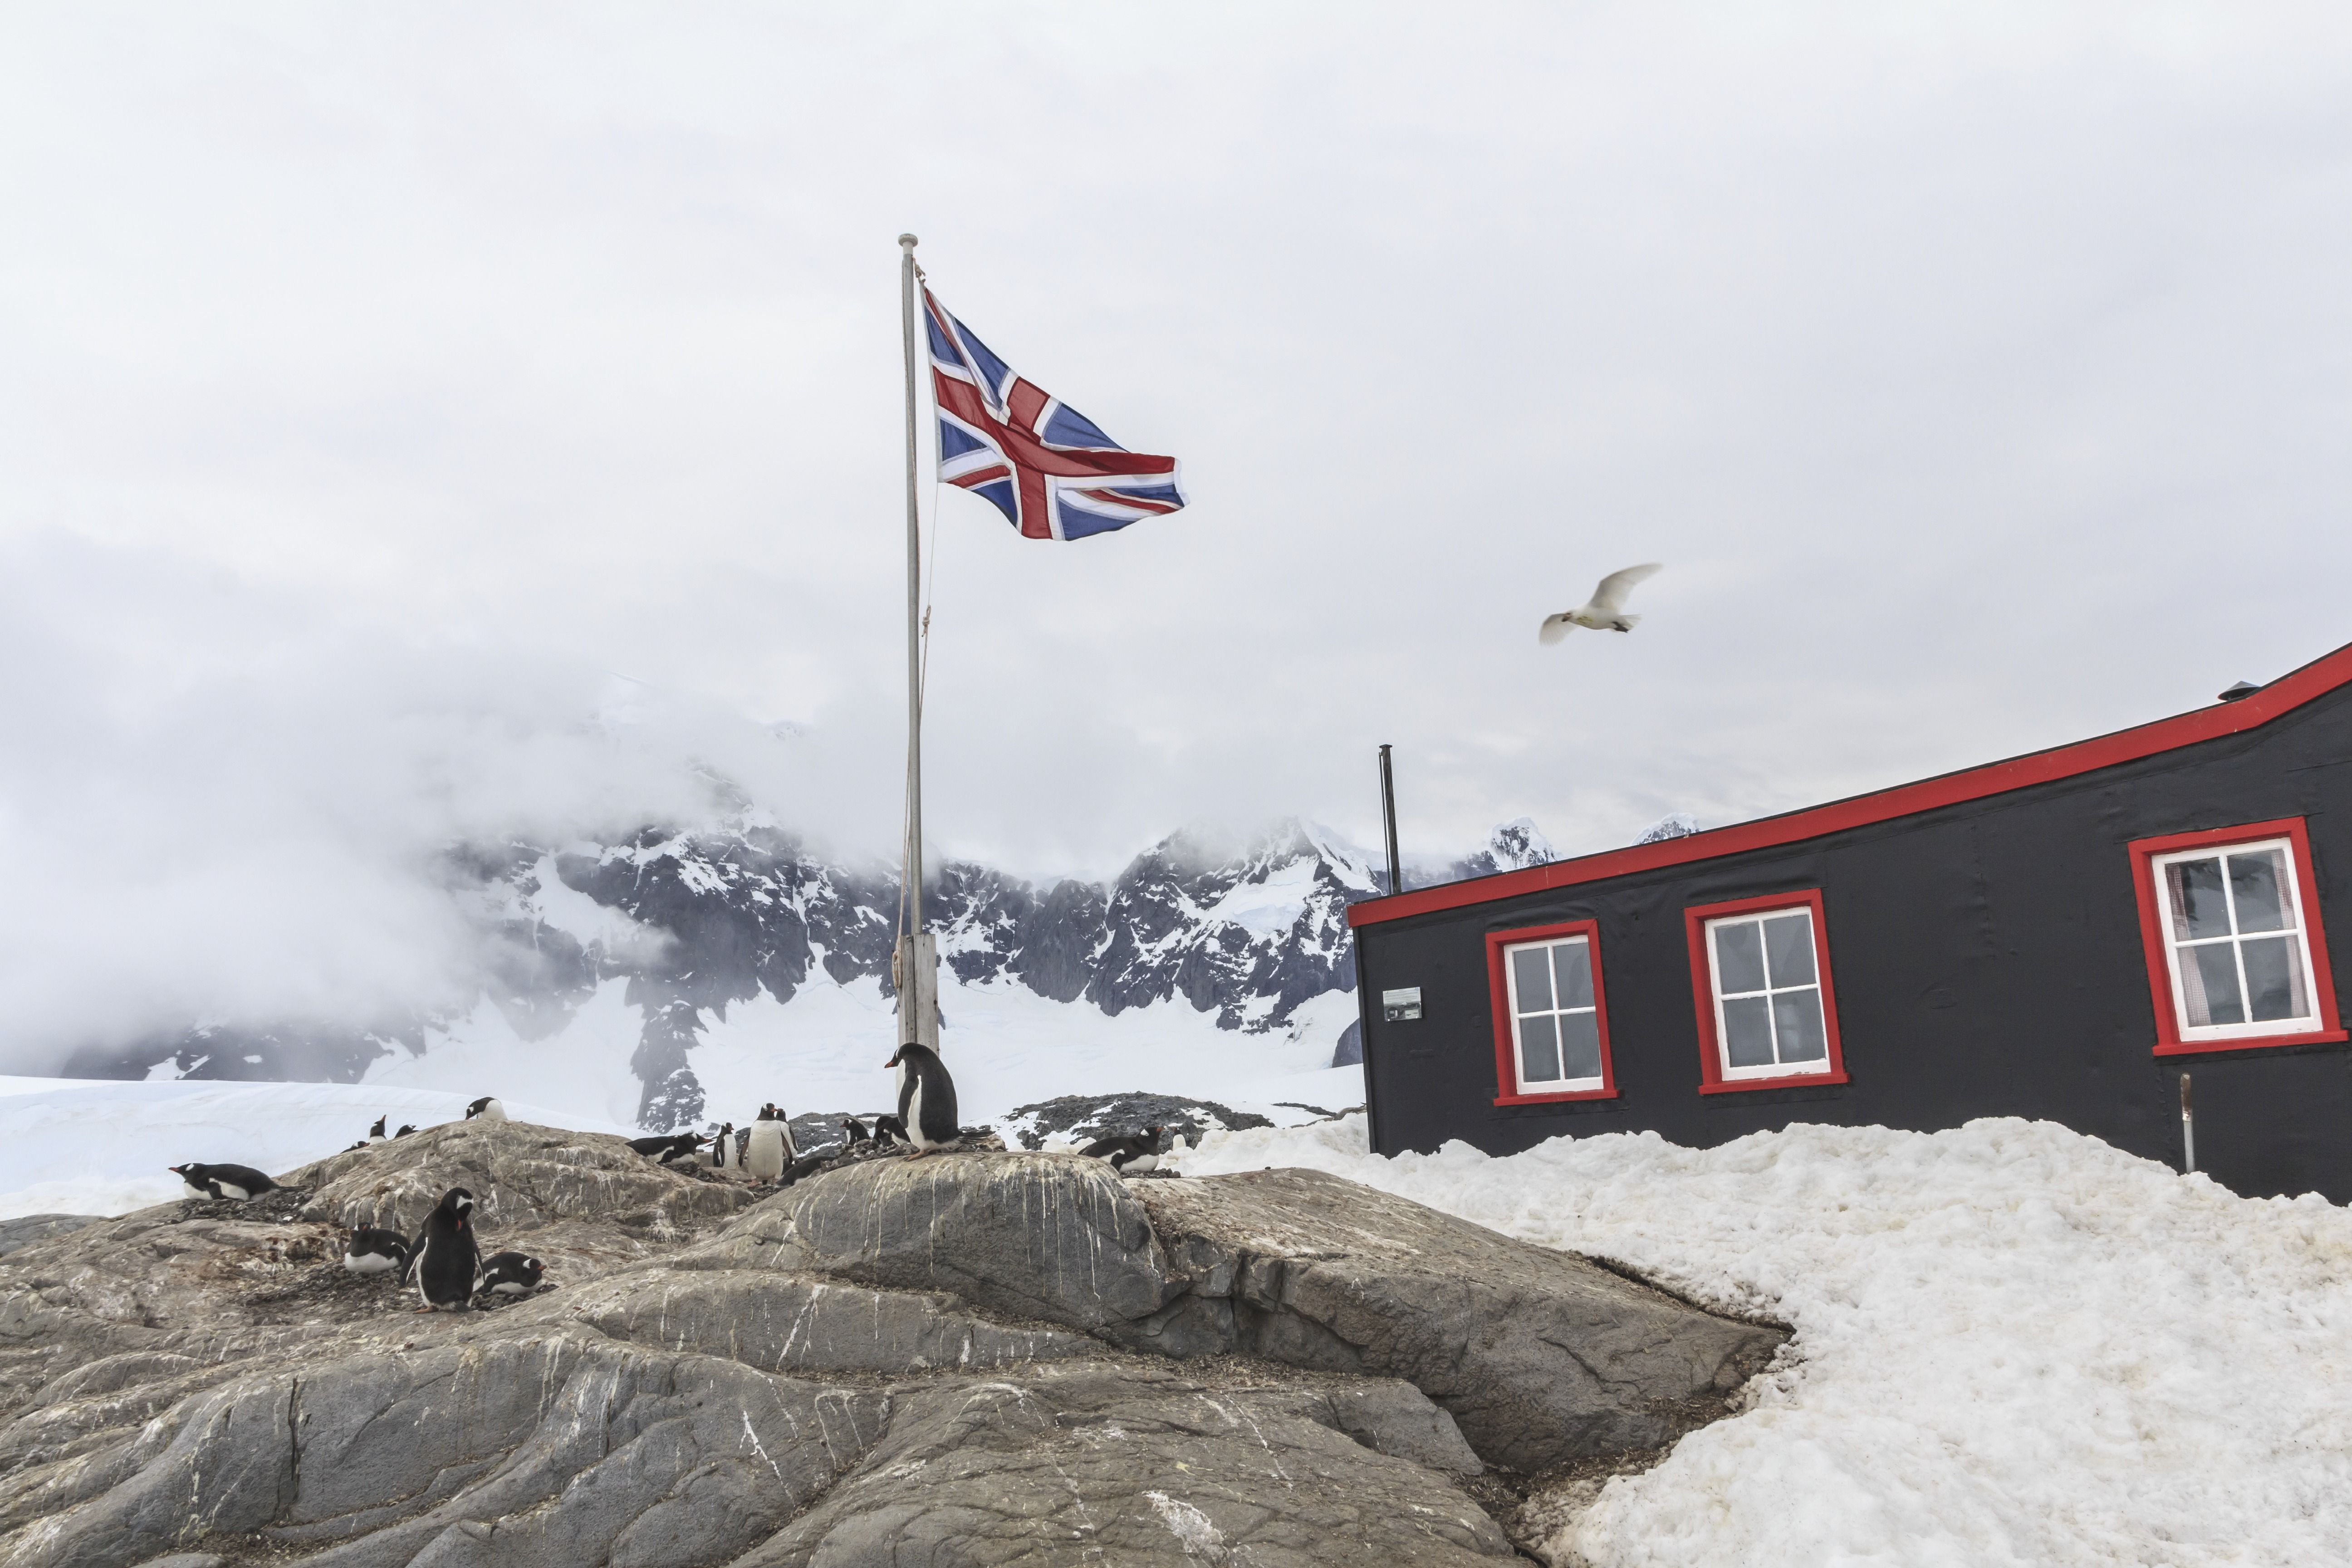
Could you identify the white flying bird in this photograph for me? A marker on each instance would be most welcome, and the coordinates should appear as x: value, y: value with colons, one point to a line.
x: 1607, y: 611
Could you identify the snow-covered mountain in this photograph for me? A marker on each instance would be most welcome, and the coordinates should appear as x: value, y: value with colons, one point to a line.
x: 730, y: 952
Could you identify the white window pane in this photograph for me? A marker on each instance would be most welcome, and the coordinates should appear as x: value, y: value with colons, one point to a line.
x: 1539, y: 1049
x: 1748, y: 1032
x: 1574, y: 962
x: 2199, y: 908
x: 2215, y: 994
x: 1531, y: 970
x: 2274, y: 978
x: 2258, y: 886
x: 1789, y: 948
x: 1580, y: 1044
x: 1738, y: 958
x: 1799, y: 1015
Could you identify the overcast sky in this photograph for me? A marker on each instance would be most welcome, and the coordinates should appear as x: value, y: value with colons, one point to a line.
x: 424, y: 421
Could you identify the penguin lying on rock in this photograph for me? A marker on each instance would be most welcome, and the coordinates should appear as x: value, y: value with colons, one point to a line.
x: 445, y: 1259
x: 223, y: 1181
x: 511, y: 1274
x: 488, y: 1108
x: 373, y: 1251
x: 855, y: 1131
x: 890, y: 1132
x: 668, y: 1146
x: 1127, y: 1152
x: 927, y: 1102
x: 406, y: 1128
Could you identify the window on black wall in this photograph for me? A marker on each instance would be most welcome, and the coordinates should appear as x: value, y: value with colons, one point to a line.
x: 2235, y: 954
x: 1555, y: 1015
x: 1767, y: 993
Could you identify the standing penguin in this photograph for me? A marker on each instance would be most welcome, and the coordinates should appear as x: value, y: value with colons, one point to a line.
x: 854, y: 1131
x: 723, y: 1148
x: 488, y: 1108
x: 375, y: 1134
x: 927, y: 1102
x: 373, y: 1251
x: 445, y: 1257
x: 770, y: 1148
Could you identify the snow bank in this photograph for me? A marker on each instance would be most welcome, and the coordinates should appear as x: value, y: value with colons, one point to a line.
x: 2014, y: 1343
x: 85, y: 1146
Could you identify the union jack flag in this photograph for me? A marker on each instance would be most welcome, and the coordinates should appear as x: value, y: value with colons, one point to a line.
x: 1048, y: 467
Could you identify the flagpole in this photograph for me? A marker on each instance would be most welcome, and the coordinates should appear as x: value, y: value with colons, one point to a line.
x: 915, y: 964
x: 914, y: 858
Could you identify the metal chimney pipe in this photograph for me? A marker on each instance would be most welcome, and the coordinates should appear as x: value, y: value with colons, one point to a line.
x: 1388, y: 819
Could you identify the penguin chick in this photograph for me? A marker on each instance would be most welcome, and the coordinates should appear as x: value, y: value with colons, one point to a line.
x: 446, y: 1259
x: 488, y: 1108
x: 512, y: 1273
x: 373, y: 1251
x: 926, y: 1101
x: 1129, y: 1151
x: 223, y: 1181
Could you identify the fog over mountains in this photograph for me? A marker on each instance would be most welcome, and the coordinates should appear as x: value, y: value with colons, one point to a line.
x: 686, y: 924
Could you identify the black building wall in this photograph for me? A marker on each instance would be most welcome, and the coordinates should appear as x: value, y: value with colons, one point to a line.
x: 1987, y: 960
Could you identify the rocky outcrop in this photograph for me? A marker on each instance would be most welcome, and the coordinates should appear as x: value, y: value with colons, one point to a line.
x: 971, y: 1359
x: 1540, y: 1356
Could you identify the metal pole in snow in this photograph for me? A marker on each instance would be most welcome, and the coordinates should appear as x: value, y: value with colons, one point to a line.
x: 2188, y: 1131
x: 1388, y: 819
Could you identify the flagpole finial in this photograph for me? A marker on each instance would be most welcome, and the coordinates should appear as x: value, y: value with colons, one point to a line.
x: 907, y: 240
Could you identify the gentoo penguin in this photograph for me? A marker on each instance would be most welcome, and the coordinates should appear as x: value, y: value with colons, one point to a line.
x: 488, y: 1108
x: 223, y: 1181
x: 445, y: 1259
x: 373, y: 1251
x: 375, y: 1134
x: 721, y: 1154
x: 770, y: 1147
x: 1127, y: 1152
x: 854, y: 1131
x: 668, y: 1146
x: 512, y: 1273
x: 927, y: 1103
x: 890, y: 1132
x: 406, y: 1128
x: 807, y: 1165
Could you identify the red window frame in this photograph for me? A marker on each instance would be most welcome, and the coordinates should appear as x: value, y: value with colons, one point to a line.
x: 2144, y: 852
x: 1710, y: 1051
x: 1498, y: 985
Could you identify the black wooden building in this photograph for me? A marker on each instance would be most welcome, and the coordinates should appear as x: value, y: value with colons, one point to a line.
x: 2061, y: 935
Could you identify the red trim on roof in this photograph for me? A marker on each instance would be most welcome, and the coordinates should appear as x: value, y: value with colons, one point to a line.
x: 2283, y: 695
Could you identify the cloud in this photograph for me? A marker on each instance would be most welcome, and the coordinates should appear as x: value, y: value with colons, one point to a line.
x: 375, y: 387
